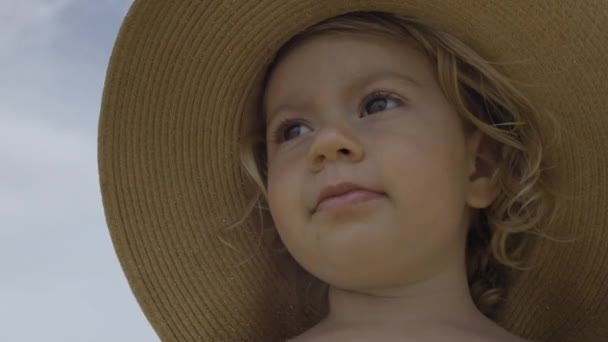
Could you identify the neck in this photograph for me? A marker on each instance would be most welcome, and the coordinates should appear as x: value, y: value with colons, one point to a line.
x: 441, y: 300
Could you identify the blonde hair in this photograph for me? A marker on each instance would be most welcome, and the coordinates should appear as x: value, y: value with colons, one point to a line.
x: 485, y: 99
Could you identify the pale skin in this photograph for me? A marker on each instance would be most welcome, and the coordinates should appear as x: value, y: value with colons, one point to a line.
x: 395, y: 265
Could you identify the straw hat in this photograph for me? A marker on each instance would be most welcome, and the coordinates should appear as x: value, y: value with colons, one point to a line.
x: 182, y: 76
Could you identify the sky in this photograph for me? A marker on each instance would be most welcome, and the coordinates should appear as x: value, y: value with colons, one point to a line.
x: 60, y: 278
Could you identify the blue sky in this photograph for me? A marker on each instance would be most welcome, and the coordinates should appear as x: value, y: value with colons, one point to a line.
x: 61, y: 280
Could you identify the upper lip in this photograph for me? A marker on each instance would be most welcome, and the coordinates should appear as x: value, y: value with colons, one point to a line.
x: 339, y: 189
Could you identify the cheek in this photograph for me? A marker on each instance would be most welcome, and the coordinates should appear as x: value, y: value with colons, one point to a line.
x: 277, y: 183
x: 288, y: 211
x: 425, y: 179
x: 284, y: 193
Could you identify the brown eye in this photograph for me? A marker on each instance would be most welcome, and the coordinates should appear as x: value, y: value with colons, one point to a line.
x: 287, y: 130
x: 378, y: 102
x: 292, y: 131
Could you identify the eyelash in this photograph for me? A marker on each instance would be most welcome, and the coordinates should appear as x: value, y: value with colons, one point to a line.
x: 286, y: 123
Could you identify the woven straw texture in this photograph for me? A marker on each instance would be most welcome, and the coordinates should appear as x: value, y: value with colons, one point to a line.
x: 184, y: 73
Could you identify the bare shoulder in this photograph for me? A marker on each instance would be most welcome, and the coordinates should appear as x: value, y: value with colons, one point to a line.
x: 495, y: 335
x: 444, y: 338
x: 435, y: 334
x: 487, y: 338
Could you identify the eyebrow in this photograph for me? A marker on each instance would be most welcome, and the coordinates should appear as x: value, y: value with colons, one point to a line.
x: 358, y: 83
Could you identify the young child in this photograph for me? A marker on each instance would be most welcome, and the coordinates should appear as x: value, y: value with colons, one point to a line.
x: 409, y: 185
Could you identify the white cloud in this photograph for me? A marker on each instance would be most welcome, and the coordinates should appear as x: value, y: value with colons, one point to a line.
x: 25, y: 21
x: 38, y: 160
x: 61, y: 278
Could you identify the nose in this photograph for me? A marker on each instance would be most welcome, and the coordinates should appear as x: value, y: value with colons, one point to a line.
x: 332, y: 144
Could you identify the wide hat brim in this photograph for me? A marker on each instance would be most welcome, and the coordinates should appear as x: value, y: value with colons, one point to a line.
x: 184, y: 74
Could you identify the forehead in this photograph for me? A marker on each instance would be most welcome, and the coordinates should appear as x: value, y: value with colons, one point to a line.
x: 341, y: 61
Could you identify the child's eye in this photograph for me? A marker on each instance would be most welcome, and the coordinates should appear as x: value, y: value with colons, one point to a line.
x: 379, y: 101
x: 288, y: 129
x: 374, y: 102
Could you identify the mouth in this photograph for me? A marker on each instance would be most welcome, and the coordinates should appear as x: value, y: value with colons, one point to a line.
x: 345, y: 195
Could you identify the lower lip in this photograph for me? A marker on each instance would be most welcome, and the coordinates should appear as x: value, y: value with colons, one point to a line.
x: 348, y: 200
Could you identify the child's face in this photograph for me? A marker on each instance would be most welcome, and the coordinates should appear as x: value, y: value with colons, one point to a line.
x: 406, y: 143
